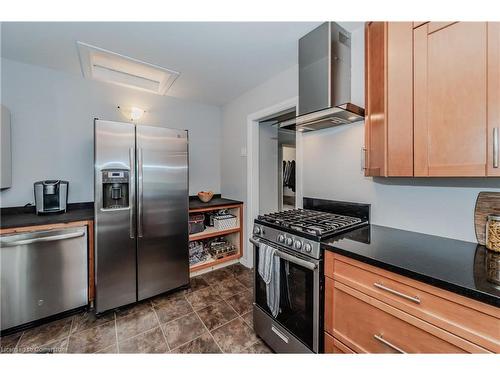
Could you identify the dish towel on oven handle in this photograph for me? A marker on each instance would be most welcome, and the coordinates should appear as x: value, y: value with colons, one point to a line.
x: 269, y: 270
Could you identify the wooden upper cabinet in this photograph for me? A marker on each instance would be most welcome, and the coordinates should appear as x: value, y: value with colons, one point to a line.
x: 389, y: 99
x: 450, y: 99
x: 493, y: 162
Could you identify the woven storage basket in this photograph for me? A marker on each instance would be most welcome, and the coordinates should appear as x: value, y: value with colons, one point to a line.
x: 224, y: 222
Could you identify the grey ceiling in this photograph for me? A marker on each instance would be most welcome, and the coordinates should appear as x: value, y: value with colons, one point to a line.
x: 218, y: 61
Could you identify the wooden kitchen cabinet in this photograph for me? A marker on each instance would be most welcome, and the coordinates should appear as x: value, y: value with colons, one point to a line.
x: 365, y: 319
x: 432, y: 99
x: 493, y: 162
x: 450, y: 90
x: 389, y: 99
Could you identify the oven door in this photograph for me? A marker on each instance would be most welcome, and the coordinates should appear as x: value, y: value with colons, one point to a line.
x: 300, y: 304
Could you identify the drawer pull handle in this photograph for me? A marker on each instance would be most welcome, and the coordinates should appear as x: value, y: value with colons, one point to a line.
x: 280, y: 334
x: 390, y: 345
x: 383, y: 287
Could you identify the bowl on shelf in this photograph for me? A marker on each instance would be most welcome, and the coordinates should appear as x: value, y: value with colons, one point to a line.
x: 205, y: 196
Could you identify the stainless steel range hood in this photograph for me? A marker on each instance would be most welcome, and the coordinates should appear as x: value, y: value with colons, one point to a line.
x: 325, y: 79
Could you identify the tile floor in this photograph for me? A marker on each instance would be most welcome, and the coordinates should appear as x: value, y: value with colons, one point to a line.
x: 213, y: 316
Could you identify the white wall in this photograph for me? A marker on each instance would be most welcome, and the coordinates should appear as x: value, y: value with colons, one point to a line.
x: 278, y: 89
x: 332, y: 170
x: 234, y: 127
x: 52, y: 129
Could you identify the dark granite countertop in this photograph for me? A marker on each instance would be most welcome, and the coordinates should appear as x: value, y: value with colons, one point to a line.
x: 14, y: 217
x: 458, y: 266
x: 217, y: 200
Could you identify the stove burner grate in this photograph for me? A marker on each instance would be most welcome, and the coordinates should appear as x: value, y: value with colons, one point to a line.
x: 308, y: 221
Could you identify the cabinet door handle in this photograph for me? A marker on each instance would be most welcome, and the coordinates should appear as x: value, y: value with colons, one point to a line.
x: 495, y: 147
x: 363, y: 158
x: 395, y: 292
x: 389, y: 344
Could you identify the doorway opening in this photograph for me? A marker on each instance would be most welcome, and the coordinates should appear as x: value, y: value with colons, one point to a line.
x: 277, y: 162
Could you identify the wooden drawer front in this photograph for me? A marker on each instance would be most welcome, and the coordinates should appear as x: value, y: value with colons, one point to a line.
x: 329, y: 263
x: 445, y: 310
x: 367, y: 328
x: 335, y: 346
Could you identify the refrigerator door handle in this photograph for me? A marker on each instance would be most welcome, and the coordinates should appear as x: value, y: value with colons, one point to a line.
x: 132, y: 192
x: 140, y: 193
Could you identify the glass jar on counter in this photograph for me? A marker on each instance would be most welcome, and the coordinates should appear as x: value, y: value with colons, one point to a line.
x: 493, y: 233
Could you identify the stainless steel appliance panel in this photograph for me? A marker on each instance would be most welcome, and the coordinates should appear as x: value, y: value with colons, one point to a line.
x: 162, y: 212
x: 115, y: 239
x: 275, y: 335
x: 314, y: 70
x: 297, y: 327
x: 42, y: 273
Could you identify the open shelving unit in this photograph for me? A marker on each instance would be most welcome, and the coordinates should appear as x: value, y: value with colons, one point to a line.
x: 234, y: 235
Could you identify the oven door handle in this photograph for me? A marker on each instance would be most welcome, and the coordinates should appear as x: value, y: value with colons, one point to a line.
x: 290, y: 258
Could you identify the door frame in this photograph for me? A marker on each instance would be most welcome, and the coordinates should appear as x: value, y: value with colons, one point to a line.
x: 252, y: 201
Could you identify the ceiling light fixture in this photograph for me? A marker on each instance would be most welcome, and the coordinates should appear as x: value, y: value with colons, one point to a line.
x: 132, y: 113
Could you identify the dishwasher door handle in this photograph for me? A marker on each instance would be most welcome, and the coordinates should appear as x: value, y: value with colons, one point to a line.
x: 43, y: 239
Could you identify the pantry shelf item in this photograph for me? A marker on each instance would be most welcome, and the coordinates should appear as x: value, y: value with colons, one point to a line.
x: 222, y: 246
x: 225, y: 222
x: 487, y: 203
x: 196, y: 223
x: 197, y: 253
x: 205, y: 196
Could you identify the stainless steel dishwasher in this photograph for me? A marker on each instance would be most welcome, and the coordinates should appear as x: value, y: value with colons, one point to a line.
x: 43, y: 273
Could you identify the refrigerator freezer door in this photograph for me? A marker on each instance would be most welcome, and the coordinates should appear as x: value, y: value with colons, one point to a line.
x: 162, y: 221
x: 115, y: 239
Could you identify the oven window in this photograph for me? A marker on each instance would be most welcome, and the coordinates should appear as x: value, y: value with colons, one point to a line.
x: 296, y: 299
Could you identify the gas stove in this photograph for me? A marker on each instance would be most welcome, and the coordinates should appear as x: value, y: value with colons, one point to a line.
x: 302, y: 230
x: 295, y: 237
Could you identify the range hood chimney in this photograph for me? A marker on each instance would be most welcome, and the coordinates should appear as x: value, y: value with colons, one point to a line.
x: 325, y: 79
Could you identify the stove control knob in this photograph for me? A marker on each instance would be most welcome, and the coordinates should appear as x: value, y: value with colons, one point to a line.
x: 308, y: 247
x: 281, y: 238
x: 289, y: 241
x: 257, y: 230
x: 297, y: 244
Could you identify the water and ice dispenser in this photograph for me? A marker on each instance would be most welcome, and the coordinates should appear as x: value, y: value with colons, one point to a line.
x: 115, y: 188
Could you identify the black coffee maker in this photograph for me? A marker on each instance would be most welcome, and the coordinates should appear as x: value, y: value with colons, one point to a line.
x: 51, y: 196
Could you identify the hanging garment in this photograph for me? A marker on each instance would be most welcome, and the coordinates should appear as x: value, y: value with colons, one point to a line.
x: 291, y: 177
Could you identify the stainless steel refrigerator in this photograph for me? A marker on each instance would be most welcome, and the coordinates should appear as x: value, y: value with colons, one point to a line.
x: 141, y: 212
